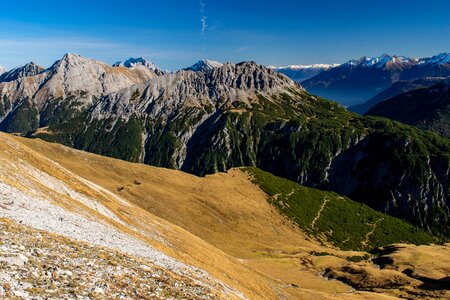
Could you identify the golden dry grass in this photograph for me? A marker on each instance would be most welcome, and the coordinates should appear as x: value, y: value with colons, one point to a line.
x: 221, y: 223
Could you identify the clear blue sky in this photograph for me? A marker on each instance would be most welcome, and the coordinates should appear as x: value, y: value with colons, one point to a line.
x: 171, y: 33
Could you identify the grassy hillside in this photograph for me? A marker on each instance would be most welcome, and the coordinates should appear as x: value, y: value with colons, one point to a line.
x: 332, y: 218
x: 221, y: 223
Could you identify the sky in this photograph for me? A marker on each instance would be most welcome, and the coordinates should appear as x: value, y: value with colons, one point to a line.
x: 176, y: 33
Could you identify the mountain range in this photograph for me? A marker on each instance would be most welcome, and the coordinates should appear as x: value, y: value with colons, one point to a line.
x: 234, y: 115
x: 356, y: 81
x: 301, y: 73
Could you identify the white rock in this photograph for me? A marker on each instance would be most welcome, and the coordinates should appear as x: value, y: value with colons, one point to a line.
x: 19, y: 260
x: 145, y: 268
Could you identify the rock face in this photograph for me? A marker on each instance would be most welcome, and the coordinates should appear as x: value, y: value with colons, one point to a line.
x: 397, y: 88
x: 27, y: 70
x: 356, y: 81
x: 238, y: 115
x: 427, y: 108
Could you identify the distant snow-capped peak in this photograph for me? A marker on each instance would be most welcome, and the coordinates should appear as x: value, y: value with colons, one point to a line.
x: 442, y: 58
x: 380, y: 61
x: 2, y: 70
x: 205, y: 65
x: 134, y: 62
x: 305, y: 67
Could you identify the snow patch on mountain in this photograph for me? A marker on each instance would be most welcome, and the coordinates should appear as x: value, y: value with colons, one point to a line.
x: 2, y: 70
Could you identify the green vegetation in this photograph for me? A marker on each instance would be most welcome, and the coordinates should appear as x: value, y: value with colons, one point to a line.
x: 330, y: 217
x: 23, y: 119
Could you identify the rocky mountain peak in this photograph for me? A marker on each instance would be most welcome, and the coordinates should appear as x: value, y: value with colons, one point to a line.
x: 382, y: 61
x: 136, y: 62
x: 249, y: 76
x: 204, y: 65
x: 30, y: 69
x: 2, y: 70
x: 441, y: 58
x: 71, y: 59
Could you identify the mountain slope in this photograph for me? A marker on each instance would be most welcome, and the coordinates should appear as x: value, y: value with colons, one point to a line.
x: 358, y: 227
x: 222, y: 224
x: 356, y: 81
x: 249, y: 115
x: 397, y: 88
x: 267, y: 256
x: 82, y: 270
x: 40, y: 193
x: 427, y: 108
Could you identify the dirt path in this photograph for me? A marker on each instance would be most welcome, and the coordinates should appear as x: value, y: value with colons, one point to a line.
x: 374, y: 226
x: 322, y: 207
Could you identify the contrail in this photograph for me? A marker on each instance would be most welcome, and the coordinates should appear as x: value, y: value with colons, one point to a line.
x: 204, y: 21
x: 202, y: 6
x: 204, y: 25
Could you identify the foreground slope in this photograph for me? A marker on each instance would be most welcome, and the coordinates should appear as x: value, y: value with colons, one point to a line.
x: 38, y: 192
x: 234, y: 215
x: 232, y: 232
x: 36, y: 264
